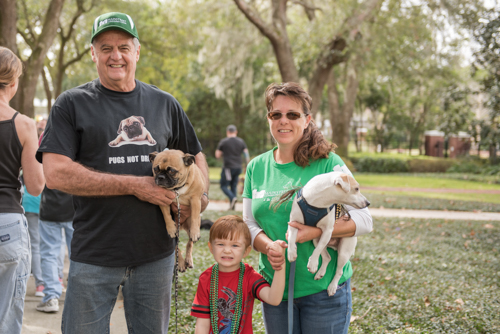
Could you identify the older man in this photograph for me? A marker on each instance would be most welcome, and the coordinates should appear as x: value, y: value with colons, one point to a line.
x: 96, y: 147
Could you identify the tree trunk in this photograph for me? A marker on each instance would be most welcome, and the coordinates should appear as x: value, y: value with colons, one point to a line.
x: 332, y: 54
x: 340, y: 117
x: 34, y: 64
x: 8, y: 32
x: 8, y: 24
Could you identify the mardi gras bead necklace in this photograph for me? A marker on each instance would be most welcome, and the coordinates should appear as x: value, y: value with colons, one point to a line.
x: 214, y: 297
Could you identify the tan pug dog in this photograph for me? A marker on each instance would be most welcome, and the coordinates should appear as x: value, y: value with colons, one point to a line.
x: 176, y: 171
x: 133, y: 129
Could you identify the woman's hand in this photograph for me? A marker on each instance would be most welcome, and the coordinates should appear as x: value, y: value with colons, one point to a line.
x: 305, y: 232
x: 276, y: 253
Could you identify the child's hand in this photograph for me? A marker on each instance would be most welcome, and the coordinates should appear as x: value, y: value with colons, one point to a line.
x: 278, y: 246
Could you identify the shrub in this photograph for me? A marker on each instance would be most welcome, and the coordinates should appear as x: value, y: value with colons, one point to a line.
x: 465, y: 167
x: 373, y: 165
x: 429, y: 166
x: 492, y: 170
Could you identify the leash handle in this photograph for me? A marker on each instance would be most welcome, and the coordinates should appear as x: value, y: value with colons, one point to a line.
x: 291, y: 283
x: 176, y: 273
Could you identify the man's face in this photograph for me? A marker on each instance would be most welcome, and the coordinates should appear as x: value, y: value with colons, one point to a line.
x: 116, y: 57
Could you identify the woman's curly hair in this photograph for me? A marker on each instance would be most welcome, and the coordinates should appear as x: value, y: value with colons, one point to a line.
x: 312, y: 145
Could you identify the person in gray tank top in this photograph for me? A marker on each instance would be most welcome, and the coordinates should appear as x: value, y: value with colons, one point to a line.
x: 18, y: 145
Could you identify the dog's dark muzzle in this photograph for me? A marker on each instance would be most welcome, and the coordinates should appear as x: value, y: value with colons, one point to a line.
x: 166, y: 178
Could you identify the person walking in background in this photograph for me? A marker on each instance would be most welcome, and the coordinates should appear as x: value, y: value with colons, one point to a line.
x: 18, y: 144
x: 231, y: 148
x: 31, y: 205
x: 56, y: 216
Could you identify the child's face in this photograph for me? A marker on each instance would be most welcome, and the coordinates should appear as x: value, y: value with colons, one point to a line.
x: 229, y: 253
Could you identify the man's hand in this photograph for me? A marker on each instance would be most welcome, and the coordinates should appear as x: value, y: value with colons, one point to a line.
x: 185, y: 211
x: 146, y: 190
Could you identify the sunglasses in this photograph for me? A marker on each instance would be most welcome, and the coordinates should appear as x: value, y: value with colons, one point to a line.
x: 291, y: 115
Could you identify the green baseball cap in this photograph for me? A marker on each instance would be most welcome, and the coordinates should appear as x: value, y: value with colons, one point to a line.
x: 114, y: 21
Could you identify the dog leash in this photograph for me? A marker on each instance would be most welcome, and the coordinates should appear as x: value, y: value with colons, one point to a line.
x: 291, y: 280
x: 291, y: 283
x: 176, y: 269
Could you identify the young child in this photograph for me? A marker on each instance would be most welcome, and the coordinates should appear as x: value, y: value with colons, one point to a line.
x: 226, y: 291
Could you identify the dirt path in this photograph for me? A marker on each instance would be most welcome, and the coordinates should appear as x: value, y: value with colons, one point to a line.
x: 402, y: 213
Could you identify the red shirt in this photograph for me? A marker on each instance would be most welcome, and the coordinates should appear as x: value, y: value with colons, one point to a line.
x: 253, y: 282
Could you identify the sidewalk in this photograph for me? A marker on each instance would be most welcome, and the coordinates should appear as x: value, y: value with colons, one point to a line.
x: 378, y: 212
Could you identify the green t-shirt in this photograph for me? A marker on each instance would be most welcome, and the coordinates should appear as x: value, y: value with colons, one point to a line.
x: 267, y: 180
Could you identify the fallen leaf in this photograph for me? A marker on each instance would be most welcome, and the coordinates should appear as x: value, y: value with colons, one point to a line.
x: 459, y: 301
x: 388, y: 278
x: 353, y: 318
x: 427, y: 302
x: 488, y: 226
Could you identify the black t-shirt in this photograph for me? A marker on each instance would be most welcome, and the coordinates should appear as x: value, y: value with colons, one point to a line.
x: 114, y: 132
x: 56, y: 206
x: 232, y: 147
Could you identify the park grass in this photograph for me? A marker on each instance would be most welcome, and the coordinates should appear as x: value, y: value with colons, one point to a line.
x: 411, y: 181
x: 471, y: 197
x: 410, y: 276
x: 392, y: 201
x: 436, y: 180
x: 452, y: 200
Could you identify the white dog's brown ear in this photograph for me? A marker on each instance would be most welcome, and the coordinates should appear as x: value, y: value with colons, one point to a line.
x: 152, y: 156
x: 343, y: 182
x: 188, y: 159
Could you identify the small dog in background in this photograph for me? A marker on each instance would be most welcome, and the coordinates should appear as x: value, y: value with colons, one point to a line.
x: 133, y: 129
x: 313, y: 206
x: 176, y: 171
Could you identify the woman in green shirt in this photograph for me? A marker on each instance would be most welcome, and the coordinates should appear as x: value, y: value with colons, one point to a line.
x: 301, y: 153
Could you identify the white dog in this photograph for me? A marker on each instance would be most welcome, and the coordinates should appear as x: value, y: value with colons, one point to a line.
x: 317, y: 198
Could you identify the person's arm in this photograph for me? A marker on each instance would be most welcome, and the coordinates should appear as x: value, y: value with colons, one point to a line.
x: 218, y: 154
x: 66, y: 175
x: 260, y: 241
x: 273, y: 295
x: 247, y: 155
x: 201, y: 162
x: 202, y: 326
x: 34, y: 179
x: 360, y: 223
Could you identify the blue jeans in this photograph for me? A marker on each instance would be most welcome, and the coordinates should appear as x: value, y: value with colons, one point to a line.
x: 36, y: 268
x: 50, y: 250
x: 92, y: 293
x: 229, y: 178
x: 15, y: 268
x: 317, y: 313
